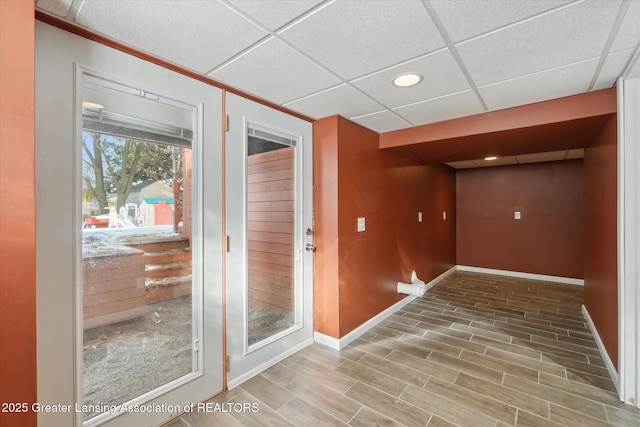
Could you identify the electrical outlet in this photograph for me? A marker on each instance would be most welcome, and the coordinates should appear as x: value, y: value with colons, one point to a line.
x: 444, y: 215
x: 419, y: 216
x: 361, y: 226
x: 517, y: 215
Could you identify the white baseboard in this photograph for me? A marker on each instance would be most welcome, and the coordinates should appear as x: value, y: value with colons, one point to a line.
x: 339, y: 344
x: 326, y: 340
x: 613, y: 373
x: 555, y: 279
x: 266, y: 365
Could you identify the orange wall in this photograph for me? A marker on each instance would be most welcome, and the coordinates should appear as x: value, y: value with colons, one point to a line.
x: 17, y: 210
x: 600, y: 236
x: 356, y: 273
x: 549, y: 237
x: 326, y: 295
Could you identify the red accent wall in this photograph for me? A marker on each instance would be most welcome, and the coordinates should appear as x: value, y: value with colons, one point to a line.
x: 548, y: 239
x: 600, y: 235
x: 357, y: 273
x: 17, y: 211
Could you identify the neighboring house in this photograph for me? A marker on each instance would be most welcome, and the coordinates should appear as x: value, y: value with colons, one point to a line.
x: 150, y: 190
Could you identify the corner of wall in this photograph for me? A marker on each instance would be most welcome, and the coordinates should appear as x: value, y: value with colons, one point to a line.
x: 325, y: 194
x: 357, y: 272
x: 600, y: 235
x: 17, y: 211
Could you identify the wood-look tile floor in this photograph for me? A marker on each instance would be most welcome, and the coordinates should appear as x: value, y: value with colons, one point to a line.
x: 476, y: 350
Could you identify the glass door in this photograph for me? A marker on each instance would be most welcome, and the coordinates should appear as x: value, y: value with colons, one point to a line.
x: 129, y: 208
x: 269, y: 271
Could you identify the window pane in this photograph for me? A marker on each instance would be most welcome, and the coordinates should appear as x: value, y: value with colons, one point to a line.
x: 138, y: 301
x: 270, y: 235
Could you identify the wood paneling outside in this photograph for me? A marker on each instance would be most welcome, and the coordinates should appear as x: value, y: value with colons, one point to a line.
x: 113, y: 288
x: 270, y: 234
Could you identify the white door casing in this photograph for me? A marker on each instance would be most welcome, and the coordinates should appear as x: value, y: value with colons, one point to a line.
x: 246, y: 361
x: 628, y: 239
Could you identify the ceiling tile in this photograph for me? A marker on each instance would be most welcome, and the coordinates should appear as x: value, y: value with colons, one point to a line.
x: 464, y: 19
x: 291, y: 76
x: 465, y: 164
x: 542, y: 157
x: 442, y: 76
x: 57, y: 7
x: 520, y: 159
x: 500, y: 161
x: 612, y: 69
x: 384, y: 121
x: 354, y: 38
x: 273, y: 14
x: 555, y: 83
x: 634, y: 69
x: 342, y: 100
x: 196, y: 34
x: 629, y: 33
x: 439, y: 109
x: 569, y: 35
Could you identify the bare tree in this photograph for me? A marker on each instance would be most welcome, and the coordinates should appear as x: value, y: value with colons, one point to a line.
x: 94, y: 158
x: 118, y: 163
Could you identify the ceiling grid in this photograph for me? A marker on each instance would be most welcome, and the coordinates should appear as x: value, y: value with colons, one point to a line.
x: 338, y: 57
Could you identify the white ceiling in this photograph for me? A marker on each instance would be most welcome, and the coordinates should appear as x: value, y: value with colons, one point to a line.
x: 520, y: 159
x: 321, y: 58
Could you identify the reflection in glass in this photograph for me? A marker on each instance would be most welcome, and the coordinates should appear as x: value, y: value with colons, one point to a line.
x: 138, y: 329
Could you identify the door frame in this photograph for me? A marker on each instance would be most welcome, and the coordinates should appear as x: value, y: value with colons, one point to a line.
x: 57, y: 180
x: 241, y: 112
x: 628, y: 238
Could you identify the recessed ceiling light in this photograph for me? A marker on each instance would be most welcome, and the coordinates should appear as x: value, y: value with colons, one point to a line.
x: 408, y: 79
x: 92, y: 105
x: 489, y: 158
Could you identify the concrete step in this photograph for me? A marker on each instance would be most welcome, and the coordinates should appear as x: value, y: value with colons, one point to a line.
x: 168, y: 256
x: 167, y: 288
x: 173, y: 269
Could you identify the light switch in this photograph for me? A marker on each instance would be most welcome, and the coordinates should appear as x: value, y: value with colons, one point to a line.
x: 360, y: 225
x: 516, y: 215
x: 444, y: 215
x: 419, y: 216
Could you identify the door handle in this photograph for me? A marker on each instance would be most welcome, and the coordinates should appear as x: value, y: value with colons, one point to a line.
x: 310, y: 247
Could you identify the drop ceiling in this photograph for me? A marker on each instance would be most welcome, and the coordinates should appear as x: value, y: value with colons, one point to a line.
x: 338, y: 57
